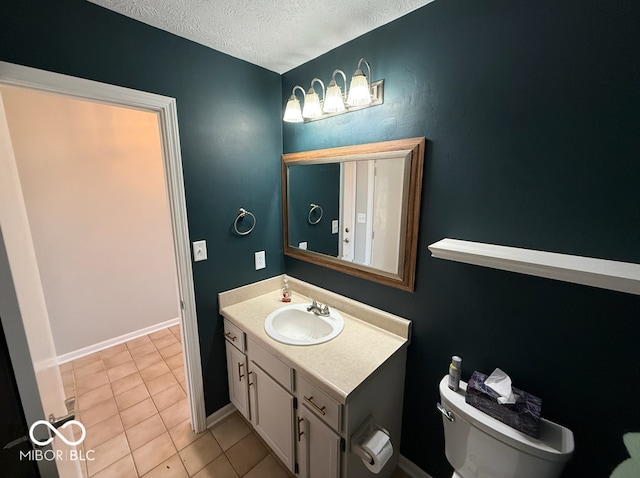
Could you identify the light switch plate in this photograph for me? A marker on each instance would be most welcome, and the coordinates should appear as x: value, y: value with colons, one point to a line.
x: 303, y: 245
x: 260, y: 260
x: 334, y: 226
x: 199, y: 251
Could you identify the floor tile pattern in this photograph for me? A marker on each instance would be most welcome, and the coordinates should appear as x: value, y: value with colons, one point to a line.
x: 132, y: 400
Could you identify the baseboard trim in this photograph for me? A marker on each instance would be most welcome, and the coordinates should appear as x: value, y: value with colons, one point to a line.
x: 219, y: 415
x: 76, y: 354
x: 411, y: 469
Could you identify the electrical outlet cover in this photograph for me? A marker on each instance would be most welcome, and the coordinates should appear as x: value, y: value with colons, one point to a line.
x: 260, y: 260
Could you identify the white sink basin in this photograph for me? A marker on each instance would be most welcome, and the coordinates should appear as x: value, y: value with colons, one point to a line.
x: 294, y: 325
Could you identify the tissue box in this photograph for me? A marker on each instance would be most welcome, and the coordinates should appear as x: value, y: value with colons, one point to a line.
x: 524, y: 415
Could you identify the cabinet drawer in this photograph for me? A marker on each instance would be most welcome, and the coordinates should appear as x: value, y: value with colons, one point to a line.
x: 281, y: 373
x: 234, y: 335
x: 321, y: 404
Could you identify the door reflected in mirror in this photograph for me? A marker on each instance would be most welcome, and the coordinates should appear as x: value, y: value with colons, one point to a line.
x: 356, y: 209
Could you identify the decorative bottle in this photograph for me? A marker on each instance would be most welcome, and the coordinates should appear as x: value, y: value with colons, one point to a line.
x: 455, y: 371
x: 286, y: 292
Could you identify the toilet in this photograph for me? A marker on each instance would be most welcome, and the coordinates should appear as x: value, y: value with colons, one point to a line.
x: 479, y: 446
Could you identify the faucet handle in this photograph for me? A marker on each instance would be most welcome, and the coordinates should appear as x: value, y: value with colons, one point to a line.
x: 324, y: 310
x: 314, y: 305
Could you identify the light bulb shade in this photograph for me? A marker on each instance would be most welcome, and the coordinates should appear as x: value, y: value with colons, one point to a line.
x: 292, y: 113
x: 311, y: 107
x: 359, y: 92
x: 333, y: 101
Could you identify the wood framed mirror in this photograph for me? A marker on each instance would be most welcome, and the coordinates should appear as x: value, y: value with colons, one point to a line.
x: 356, y: 209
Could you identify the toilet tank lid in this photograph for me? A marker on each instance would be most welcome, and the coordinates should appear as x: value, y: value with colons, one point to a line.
x: 554, y: 442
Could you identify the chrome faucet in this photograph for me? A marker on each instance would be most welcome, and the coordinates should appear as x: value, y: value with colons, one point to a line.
x: 318, y: 308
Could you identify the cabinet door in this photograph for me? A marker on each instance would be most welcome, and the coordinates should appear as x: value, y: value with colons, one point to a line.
x: 237, y: 376
x: 272, y: 414
x: 318, y: 447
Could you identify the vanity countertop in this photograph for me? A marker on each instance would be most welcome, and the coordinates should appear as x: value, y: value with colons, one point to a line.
x: 370, y: 336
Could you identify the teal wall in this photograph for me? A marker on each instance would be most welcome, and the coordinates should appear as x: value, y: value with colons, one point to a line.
x: 531, y: 112
x: 230, y: 132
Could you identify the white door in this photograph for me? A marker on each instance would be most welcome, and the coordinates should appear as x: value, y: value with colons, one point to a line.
x: 388, y: 218
x: 25, y: 280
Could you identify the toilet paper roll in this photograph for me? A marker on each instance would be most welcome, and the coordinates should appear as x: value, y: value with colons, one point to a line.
x: 379, y: 446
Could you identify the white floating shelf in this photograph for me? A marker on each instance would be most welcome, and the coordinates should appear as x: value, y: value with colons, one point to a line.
x: 606, y: 274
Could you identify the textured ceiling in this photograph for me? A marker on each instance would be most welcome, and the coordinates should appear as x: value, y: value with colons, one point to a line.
x: 275, y: 34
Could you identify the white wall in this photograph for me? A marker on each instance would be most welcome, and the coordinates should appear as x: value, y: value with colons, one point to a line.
x: 93, y: 184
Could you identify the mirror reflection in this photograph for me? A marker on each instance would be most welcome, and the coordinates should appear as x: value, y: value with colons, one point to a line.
x: 352, y: 209
x: 355, y: 209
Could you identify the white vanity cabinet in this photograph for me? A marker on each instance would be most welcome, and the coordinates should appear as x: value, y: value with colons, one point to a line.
x: 308, y: 429
x: 237, y: 369
x: 300, y: 430
x: 260, y: 387
x: 312, y: 405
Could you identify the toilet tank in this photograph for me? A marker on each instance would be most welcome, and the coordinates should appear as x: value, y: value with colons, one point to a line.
x: 479, y: 446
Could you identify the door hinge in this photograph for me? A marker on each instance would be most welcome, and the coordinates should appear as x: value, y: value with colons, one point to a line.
x: 296, y: 469
x: 295, y: 403
x: 343, y: 444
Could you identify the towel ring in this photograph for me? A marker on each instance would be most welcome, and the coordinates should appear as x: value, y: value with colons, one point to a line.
x: 319, y: 214
x: 242, y: 213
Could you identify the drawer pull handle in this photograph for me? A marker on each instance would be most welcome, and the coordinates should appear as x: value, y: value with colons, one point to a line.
x: 230, y: 336
x: 250, y: 372
x: 240, y: 374
x: 300, y: 432
x: 310, y: 400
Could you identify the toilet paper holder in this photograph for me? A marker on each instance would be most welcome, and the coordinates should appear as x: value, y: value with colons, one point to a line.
x: 368, y: 427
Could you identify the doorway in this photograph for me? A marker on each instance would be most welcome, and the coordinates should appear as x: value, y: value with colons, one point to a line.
x: 17, y: 237
x: 93, y: 185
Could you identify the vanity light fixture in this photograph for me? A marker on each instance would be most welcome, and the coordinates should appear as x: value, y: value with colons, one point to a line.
x: 312, y: 108
x: 359, y: 91
x: 362, y: 93
x: 334, y: 100
x: 293, y: 113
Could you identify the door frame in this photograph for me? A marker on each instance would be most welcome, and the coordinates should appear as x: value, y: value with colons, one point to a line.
x: 347, y: 217
x: 165, y: 107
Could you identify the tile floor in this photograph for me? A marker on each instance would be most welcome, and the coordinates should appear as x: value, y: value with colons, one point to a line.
x: 132, y: 400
